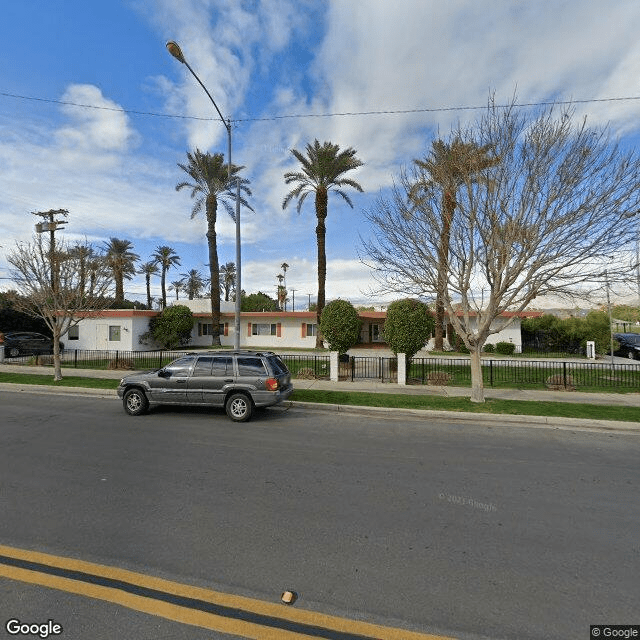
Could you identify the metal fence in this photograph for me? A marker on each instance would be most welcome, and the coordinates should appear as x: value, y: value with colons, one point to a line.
x: 552, y: 373
x: 370, y: 368
x: 304, y: 366
x: 435, y: 371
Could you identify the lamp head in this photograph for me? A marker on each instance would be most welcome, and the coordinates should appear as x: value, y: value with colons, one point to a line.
x: 174, y: 49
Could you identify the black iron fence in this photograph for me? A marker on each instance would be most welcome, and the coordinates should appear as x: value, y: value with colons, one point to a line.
x: 370, y: 368
x: 496, y: 372
x: 308, y: 367
x: 510, y: 372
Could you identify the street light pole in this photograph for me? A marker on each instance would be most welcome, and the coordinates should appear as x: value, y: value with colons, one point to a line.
x: 174, y: 49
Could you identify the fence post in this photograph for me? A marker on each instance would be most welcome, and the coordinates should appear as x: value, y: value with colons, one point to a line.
x: 352, y: 360
x: 75, y: 359
x: 333, y: 366
x: 160, y: 360
x: 491, y: 371
x: 401, y: 368
x: 564, y: 374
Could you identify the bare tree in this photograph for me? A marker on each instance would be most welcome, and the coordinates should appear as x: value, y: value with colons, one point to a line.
x: 544, y: 223
x: 63, y: 302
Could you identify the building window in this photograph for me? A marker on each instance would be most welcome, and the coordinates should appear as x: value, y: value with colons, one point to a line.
x: 312, y: 330
x: 206, y: 329
x: 263, y: 329
x: 74, y: 333
x: 114, y: 333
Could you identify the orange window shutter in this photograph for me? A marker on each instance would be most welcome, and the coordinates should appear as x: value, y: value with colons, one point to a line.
x: 279, y: 330
x: 226, y: 328
x: 248, y: 328
x: 304, y: 330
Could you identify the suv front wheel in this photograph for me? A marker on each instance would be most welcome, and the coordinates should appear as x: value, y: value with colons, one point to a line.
x: 135, y: 402
x: 239, y: 407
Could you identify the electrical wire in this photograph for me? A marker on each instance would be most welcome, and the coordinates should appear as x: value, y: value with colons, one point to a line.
x: 321, y: 115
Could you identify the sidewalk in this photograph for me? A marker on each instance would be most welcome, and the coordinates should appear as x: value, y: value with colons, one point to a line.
x: 374, y: 386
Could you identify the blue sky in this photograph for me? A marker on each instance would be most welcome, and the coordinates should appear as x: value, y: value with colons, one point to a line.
x: 116, y: 170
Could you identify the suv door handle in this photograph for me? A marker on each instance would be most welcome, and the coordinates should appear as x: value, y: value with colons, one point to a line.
x: 228, y: 379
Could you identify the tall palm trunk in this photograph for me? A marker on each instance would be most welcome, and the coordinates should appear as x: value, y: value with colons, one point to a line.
x: 119, y: 278
x: 148, y: 279
x: 448, y: 208
x: 214, y: 270
x: 163, y: 287
x: 321, y: 232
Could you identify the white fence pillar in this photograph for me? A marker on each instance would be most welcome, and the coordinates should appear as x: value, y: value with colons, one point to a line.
x: 402, y: 369
x: 333, y: 366
x: 591, y: 349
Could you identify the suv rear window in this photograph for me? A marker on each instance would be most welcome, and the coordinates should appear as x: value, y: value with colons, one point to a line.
x: 277, y: 365
x: 250, y: 366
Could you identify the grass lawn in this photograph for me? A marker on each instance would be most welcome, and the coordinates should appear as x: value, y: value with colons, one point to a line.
x: 392, y: 400
x: 491, y: 405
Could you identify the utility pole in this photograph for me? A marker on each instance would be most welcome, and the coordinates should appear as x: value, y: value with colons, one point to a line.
x: 293, y: 299
x: 51, y: 225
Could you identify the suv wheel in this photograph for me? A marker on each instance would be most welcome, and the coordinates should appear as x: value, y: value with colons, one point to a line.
x: 135, y: 402
x: 239, y: 407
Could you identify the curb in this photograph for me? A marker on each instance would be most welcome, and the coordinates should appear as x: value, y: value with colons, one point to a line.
x: 539, y: 422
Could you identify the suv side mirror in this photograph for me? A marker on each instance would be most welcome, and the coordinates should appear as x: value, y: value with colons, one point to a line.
x: 163, y: 373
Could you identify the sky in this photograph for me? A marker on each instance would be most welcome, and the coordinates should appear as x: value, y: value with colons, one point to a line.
x: 280, y: 70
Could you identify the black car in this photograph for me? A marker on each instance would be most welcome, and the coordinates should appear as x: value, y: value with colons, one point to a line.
x: 23, y: 343
x: 238, y: 381
x: 629, y: 344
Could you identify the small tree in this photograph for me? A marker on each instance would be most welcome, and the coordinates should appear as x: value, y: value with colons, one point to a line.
x: 408, y: 327
x: 61, y: 304
x: 561, y: 200
x: 340, y: 325
x: 172, y: 328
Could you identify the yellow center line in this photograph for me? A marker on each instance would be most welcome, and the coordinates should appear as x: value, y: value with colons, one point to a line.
x: 215, y: 610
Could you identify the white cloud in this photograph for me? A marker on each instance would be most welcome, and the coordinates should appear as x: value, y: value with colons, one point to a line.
x: 105, y: 128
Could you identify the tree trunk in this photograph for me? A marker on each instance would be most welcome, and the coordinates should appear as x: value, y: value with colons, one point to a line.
x: 163, y: 287
x: 214, y: 269
x: 477, y: 385
x: 148, y: 291
x: 321, y: 230
x: 57, y: 366
x: 119, y: 278
x: 448, y: 207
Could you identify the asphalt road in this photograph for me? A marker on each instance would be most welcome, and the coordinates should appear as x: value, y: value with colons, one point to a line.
x: 462, y: 530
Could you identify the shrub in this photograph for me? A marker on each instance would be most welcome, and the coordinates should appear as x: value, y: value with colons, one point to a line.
x: 408, y: 326
x: 340, y: 325
x: 505, y: 348
x: 489, y: 347
x: 172, y: 328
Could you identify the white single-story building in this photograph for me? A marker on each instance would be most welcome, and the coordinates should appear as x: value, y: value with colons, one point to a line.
x: 121, y: 329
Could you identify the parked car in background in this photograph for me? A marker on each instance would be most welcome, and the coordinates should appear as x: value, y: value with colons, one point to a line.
x: 26, y: 343
x: 629, y: 344
x: 239, y: 381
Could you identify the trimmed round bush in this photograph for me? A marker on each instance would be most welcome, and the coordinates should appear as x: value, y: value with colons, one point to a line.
x: 408, y: 326
x: 505, y: 348
x: 340, y: 325
x: 489, y: 347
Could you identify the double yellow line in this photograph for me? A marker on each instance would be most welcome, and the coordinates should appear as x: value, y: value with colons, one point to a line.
x: 227, y: 613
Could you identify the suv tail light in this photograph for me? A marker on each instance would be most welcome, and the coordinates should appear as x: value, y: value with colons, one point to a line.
x: 271, y: 384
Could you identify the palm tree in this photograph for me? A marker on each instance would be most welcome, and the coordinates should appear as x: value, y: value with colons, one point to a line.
x: 228, y: 273
x: 149, y: 269
x: 84, y: 253
x: 166, y: 257
x: 450, y: 166
x: 177, y: 286
x: 210, y: 183
x: 284, y: 266
x: 193, y: 283
x: 121, y: 260
x: 322, y: 171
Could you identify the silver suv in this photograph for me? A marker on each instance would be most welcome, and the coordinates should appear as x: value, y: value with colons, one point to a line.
x: 239, y: 381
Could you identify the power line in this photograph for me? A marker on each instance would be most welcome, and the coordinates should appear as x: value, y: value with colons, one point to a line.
x: 322, y: 115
